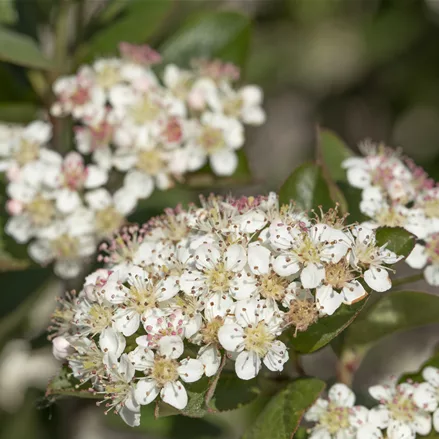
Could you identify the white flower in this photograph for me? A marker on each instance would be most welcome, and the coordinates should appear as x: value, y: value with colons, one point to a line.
x: 427, y: 256
x: 337, y: 417
x: 216, y: 137
x: 306, y: 251
x: 398, y: 413
x: 365, y: 253
x: 163, y: 374
x: 121, y: 389
x: 253, y: 337
x: 139, y: 298
x: 219, y: 273
x: 426, y: 395
x: 61, y: 348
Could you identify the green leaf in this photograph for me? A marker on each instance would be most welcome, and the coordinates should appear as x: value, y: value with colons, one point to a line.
x: 8, y: 14
x: 332, y: 152
x: 396, y: 239
x: 138, y: 21
x: 326, y: 328
x: 307, y: 187
x: 281, y: 417
x: 395, y: 312
x: 64, y: 384
x: 232, y: 393
x: 18, y: 112
x: 224, y: 35
x: 21, y: 50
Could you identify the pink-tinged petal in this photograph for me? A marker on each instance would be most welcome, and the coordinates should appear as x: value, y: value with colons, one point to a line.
x: 146, y: 391
x: 174, y: 394
x: 247, y: 365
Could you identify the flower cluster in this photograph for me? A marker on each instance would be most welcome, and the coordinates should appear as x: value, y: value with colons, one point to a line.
x: 193, y: 287
x: 139, y: 133
x: 405, y: 410
x: 396, y: 192
x: 155, y: 131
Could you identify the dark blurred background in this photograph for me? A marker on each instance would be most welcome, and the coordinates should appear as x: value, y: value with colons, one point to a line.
x: 363, y: 68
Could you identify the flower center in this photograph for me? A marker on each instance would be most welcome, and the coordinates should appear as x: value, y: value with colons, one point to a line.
x: 308, y: 250
x: 99, y: 317
x: 258, y: 339
x: 272, y: 286
x: 302, y: 314
x: 335, y: 418
x: 339, y: 274
x: 107, y: 220
x: 142, y: 295
x: 210, y: 330
x: 431, y: 208
x: 164, y: 371
x: 66, y: 246
x: 173, y: 131
x: 27, y: 152
x: 151, y: 162
x: 108, y: 76
x: 233, y: 107
x: 81, y: 96
x: 145, y: 111
x: 41, y: 211
x: 218, y: 279
x: 402, y: 408
x: 211, y: 139
x: 388, y: 216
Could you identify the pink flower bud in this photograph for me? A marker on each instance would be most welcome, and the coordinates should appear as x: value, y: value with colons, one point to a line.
x: 61, y: 348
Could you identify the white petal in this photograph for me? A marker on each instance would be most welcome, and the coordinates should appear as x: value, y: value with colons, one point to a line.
x: 359, y: 178
x: 328, y: 300
x: 207, y: 256
x: 418, y: 257
x: 312, y: 275
x: 174, y: 394
x: 130, y: 417
x: 399, y: 430
x: 248, y: 312
x: 431, y: 374
x: 259, y: 258
x: 381, y: 393
x: 168, y: 288
x: 146, y: 391
x: 436, y: 420
x: 211, y: 359
x: 247, y: 365
x: 422, y: 423
x: 235, y: 258
x: 285, y: 265
x: 353, y: 292
x: 431, y: 274
x: 425, y: 397
x: 95, y: 177
x: 378, y: 279
x: 379, y: 416
x: 224, y: 162
x: 112, y: 341
x: 369, y: 432
x: 243, y: 286
x: 276, y: 357
x: 98, y: 199
x: 126, y: 321
x: 342, y: 395
x: 67, y: 200
x: 126, y: 368
x: 139, y: 184
x: 171, y: 346
x: 231, y: 337
x: 191, y: 370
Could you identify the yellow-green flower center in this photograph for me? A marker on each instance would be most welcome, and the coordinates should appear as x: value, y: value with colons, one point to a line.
x: 258, y: 339
x: 151, y: 162
x: 335, y: 418
x: 108, y: 220
x: 41, y: 211
x: 211, y: 139
x: 164, y: 371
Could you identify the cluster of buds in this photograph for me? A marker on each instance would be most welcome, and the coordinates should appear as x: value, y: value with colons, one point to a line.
x: 192, y: 288
x: 396, y: 192
x: 133, y: 133
x: 405, y: 410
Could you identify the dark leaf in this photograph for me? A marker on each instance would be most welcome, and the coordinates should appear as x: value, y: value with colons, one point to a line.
x: 326, y: 329
x: 281, y: 417
x: 396, y: 239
